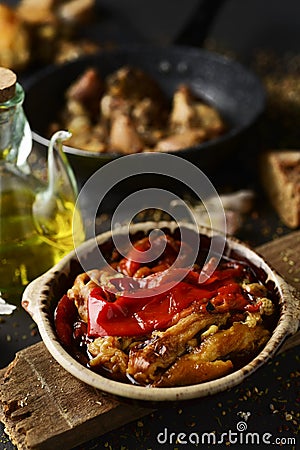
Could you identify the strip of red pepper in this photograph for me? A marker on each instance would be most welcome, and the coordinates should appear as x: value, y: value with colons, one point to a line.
x: 64, y: 318
x: 132, y: 262
x: 150, y: 309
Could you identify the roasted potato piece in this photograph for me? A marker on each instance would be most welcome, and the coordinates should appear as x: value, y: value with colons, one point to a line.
x: 190, y: 113
x: 133, y: 83
x: 36, y: 12
x: 187, y: 138
x: 43, y: 28
x: 76, y: 11
x: 210, y: 119
x: 148, y: 114
x: 136, y: 94
x: 183, y: 114
x: 111, y: 106
x: 87, y: 91
x: 14, y: 42
x: 52, y: 11
x: 68, y: 50
x: 123, y: 136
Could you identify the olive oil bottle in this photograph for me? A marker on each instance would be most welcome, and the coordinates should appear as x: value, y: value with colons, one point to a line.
x: 39, y: 220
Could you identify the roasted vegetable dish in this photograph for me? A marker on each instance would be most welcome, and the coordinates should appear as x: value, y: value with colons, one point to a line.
x: 144, y: 325
x: 127, y: 112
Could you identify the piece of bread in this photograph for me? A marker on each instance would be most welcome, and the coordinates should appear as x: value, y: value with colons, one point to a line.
x: 280, y: 176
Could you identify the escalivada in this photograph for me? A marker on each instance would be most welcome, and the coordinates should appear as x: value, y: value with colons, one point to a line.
x: 152, y: 324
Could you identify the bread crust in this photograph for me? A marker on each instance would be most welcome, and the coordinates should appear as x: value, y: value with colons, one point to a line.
x: 280, y: 177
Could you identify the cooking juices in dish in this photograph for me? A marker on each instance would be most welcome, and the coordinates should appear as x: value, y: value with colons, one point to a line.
x: 127, y: 112
x: 153, y: 325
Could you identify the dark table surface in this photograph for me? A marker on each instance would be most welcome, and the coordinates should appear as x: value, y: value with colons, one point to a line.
x: 267, y: 402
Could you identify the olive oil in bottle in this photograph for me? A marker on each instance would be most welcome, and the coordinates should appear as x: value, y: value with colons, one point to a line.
x: 38, y: 219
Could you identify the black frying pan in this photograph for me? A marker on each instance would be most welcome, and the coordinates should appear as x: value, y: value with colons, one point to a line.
x: 234, y: 90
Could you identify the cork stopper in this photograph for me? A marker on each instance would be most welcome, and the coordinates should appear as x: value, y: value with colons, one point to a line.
x: 8, y: 80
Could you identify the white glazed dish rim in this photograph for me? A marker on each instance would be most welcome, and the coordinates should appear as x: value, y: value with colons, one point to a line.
x: 36, y: 294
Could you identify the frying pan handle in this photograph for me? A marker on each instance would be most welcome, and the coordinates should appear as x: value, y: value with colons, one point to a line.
x: 197, y: 29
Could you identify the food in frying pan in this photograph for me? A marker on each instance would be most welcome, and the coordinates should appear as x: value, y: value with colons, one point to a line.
x: 127, y: 112
x: 14, y: 42
x: 280, y: 175
x: 148, y: 325
x: 37, y: 32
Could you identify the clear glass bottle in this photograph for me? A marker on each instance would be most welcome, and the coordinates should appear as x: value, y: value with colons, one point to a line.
x: 38, y: 218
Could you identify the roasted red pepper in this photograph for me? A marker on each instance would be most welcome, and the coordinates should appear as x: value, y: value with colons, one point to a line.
x: 229, y: 298
x: 148, y: 307
x: 130, y: 264
x: 64, y: 318
x: 135, y: 316
x: 253, y: 308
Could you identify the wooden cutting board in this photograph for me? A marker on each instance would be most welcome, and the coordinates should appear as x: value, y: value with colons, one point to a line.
x: 42, y: 405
